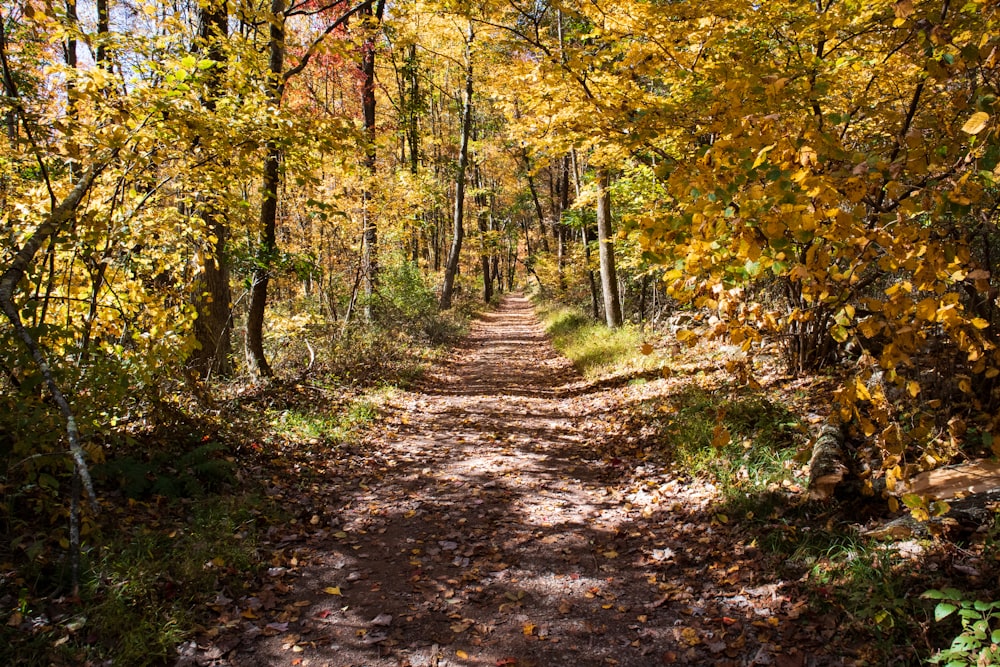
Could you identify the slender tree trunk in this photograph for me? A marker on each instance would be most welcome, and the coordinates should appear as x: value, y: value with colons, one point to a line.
x: 544, y: 237
x: 595, y: 298
x: 71, y: 92
x: 267, y: 243
x: 451, y: 268
x: 21, y: 261
x: 413, y: 134
x: 10, y: 92
x: 212, y: 292
x: 102, y: 32
x: 371, y: 17
x: 560, y: 227
x: 482, y: 222
x: 609, y: 278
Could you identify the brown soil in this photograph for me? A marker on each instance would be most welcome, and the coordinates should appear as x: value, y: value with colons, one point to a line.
x: 488, y: 526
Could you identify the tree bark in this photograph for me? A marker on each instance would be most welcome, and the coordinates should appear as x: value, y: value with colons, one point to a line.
x: 609, y: 277
x: 212, y: 293
x: 102, y: 32
x: 560, y: 227
x: 269, y: 203
x: 543, y: 235
x: 451, y: 267
x: 482, y: 220
x: 371, y: 17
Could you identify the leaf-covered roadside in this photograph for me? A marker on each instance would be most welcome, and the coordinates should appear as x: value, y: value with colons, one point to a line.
x: 189, y: 507
x: 501, y: 511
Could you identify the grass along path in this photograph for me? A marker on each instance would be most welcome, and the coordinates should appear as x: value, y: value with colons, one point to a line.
x: 494, y: 523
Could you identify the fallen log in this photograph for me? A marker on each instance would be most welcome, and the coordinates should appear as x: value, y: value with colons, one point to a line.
x: 828, y: 463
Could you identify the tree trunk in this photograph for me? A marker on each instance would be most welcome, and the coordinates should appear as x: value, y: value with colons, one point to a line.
x: 212, y: 293
x: 609, y: 278
x: 544, y: 237
x: 102, y: 32
x: 482, y: 222
x: 371, y: 18
x: 413, y: 134
x: 560, y: 227
x: 269, y: 204
x: 451, y: 268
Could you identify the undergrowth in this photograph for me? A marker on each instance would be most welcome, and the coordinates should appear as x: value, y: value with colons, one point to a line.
x: 146, y: 585
x: 594, y: 349
x: 741, y: 440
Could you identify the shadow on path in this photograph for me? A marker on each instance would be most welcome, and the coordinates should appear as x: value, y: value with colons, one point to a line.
x: 490, y: 531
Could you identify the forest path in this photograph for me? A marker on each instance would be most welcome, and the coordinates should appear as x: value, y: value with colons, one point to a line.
x: 488, y: 528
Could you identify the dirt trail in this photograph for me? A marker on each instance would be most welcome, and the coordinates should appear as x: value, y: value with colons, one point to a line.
x: 492, y: 531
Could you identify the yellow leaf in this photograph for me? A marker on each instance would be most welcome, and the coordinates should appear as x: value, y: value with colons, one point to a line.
x: 610, y: 554
x: 332, y: 590
x: 528, y: 628
x: 762, y: 155
x: 976, y: 123
x: 927, y: 309
x: 690, y: 636
x: 913, y: 387
x: 720, y: 437
x: 687, y: 337
x: 462, y: 654
x: 980, y: 323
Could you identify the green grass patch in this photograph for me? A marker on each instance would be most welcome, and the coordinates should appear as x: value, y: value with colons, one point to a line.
x: 332, y: 424
x: 741, y: 441
x: 594, y: 349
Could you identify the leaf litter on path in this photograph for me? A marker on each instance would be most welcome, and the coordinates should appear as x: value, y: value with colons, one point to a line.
x: 490, y: 520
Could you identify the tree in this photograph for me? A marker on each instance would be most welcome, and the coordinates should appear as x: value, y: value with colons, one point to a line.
x: 458, y: 229
x: 276, y: 80
x: 605, y: 237
x: 212, y: 295
x: 371, y: 18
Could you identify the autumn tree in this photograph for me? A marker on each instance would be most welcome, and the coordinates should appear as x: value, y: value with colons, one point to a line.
x: 458, y: 223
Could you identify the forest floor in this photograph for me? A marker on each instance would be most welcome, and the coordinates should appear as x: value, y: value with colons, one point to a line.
x: 488, y: 520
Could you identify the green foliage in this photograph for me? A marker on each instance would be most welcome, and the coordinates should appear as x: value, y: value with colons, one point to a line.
x: 743, y: 441
x: 593, y: 348
x: 146, y: 589
x: 979, y: 641
x: 332, y: 424
x: 406, y: 299
x: 169, y: 474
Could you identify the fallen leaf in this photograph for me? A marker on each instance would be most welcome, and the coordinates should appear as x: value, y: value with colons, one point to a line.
x: 976, y: 123
x: 462, y: 654
x: 332, y: 590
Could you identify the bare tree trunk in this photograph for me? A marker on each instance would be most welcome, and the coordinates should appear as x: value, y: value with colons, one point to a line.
x: 451, y: 268
x: 609, y: 278
x: 482, y: 222
x: 267, y: 244
x: 371, y: 18
x: 560, y: 227
x: 413, y: 133
x: 212, y: 292
x: 544, y: 237
x: 102, y: 32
